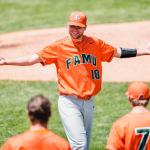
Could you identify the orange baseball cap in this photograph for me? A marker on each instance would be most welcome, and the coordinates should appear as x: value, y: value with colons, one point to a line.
x: 138, y: 90
x: 77, y: 19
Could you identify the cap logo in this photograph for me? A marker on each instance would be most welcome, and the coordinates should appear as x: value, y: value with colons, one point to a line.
x: 77, y: 17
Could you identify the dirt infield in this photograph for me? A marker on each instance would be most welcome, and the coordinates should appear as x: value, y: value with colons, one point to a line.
x: 119, y: 70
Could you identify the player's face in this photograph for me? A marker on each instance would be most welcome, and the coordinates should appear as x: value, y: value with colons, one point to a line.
x: 76, y: 32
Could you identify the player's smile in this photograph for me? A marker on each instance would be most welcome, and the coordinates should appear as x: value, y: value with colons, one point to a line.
x: 76, y: 32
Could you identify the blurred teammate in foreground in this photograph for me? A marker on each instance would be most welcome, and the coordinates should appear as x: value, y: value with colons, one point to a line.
x: 132, y: 131
x: 38, y: 137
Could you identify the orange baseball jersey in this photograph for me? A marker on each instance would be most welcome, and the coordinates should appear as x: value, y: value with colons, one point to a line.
x: 36, y: 140
x: 79, y: 65
x: 130, y: 132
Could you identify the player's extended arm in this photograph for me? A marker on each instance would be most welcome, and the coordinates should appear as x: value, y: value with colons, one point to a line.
x: 21, y: 61
x: 127, y: 52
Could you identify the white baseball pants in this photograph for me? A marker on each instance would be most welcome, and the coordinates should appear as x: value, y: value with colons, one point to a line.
x: 77, y: 119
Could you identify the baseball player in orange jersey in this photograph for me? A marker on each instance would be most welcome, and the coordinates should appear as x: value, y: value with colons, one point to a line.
x: 78, y: 59
x: 132, y: 131
x: 38, y: 137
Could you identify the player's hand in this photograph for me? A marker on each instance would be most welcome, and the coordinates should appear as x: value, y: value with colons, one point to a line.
x: 144, y: 51
x: 2, y: 61
x: 148, y: 48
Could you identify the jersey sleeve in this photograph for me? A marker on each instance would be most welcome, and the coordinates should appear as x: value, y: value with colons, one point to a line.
x: 116, y: 138
x: 49, y: 54
x: 107, y: 50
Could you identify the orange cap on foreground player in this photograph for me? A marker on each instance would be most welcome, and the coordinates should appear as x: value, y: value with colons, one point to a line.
x: 77, y: 19
x: 138, y: 90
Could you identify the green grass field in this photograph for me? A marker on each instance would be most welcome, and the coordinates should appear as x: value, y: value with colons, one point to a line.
x: 30, y: 14
x: 109, y: 105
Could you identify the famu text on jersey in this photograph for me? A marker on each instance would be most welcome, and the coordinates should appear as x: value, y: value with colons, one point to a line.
x: 81, y: 59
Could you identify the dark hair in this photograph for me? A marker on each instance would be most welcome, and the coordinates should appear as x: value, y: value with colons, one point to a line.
x: 39, y: 109
x: 140, y: 102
